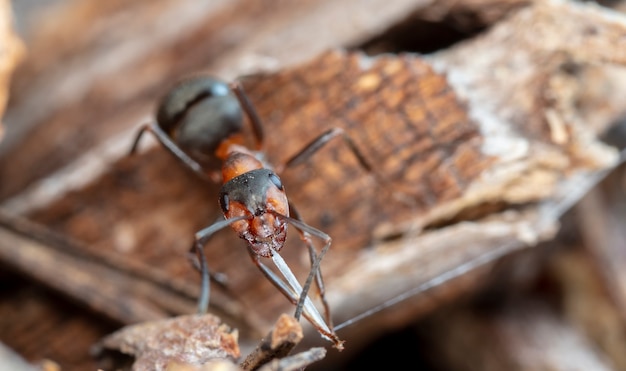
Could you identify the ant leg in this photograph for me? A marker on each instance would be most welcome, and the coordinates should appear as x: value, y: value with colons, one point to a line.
x: 201, y: 239
x: 205, y: 286
x: 315, y: 266
x: 217, y: 277
x: 319, y: 281
x: 167, y: 142
x: 317, y: 143
x: 248, y: 108
x: 290, y: 290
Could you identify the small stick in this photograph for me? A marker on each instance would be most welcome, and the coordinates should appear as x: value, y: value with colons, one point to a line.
x: 278, y: 343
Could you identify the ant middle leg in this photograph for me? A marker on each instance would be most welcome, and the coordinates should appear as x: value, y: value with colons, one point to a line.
x: 316, y: 144
x: 217, y: 277
x: 201, y: 238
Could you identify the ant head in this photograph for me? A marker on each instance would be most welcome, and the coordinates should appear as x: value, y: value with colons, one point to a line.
x: 198, y: 114
x: 260, y: 196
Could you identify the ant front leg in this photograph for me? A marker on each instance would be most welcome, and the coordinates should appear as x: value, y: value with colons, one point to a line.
x: 201, y: 238
x: 170, y: 145
x: 319, y: 281
x: 297, y: 295
x: 315, y: 264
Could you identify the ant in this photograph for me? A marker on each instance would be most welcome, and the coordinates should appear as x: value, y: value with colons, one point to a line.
x: 200, y: 121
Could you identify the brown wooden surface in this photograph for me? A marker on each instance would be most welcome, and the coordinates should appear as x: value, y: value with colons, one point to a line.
x: 477, y: 149
x: 152, y: 44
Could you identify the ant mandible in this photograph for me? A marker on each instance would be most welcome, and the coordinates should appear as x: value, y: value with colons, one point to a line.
x: 200, y: 121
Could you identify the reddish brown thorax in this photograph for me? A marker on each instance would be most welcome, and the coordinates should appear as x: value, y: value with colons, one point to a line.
x: 239, y: 163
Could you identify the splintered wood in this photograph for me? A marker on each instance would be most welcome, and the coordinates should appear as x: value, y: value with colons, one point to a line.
x: 476, y: 151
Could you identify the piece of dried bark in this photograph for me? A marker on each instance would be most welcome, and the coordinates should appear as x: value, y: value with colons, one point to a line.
x: 191, y: 340
x: 204, y: 343
x: 285, y: 335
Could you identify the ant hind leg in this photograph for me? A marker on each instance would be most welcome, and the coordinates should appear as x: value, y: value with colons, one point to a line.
x: 248, y: 108
x: 170, y: 145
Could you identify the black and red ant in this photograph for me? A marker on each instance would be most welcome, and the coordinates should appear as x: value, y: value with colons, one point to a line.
x: 200, y: 121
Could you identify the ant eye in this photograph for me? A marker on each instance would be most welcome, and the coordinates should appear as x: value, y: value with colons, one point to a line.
x: 224, y: 202
x: 276, y: 180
